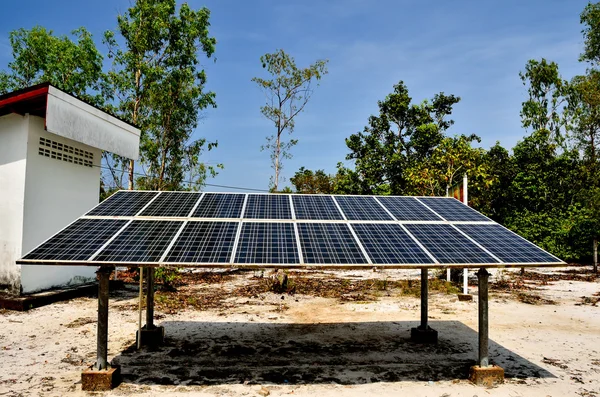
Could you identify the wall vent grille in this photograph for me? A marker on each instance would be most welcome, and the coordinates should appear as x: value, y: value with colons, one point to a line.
x: 70, y: 154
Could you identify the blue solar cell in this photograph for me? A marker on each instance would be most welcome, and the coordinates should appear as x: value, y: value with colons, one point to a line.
x: 324, y: 243
x: 123, y: 203
x: 79, y: 241
x: 453, y: 210
x: 507, y: 246
x: 408, y: 209
x: 220, y: 205
x: 389, y: 243
x: 263, y: 206
x: 358, y: 208
x: 204, y: 242
x: 267, y: 243
x: 172, y: 204
x: 315, y: 207
x: 141, y: 241
x: 448, y: 245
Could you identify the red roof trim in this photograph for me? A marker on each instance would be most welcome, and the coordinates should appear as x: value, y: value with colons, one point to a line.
x: 42, y: 91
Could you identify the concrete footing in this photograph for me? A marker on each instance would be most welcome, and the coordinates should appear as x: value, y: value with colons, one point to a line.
x: 423, y: 335
x: 154, y: 336
x: 486, y: 376
x: 100, y: 379
x: 465, y: 297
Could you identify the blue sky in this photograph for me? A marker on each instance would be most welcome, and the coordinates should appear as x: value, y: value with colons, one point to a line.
x: 473, y: 49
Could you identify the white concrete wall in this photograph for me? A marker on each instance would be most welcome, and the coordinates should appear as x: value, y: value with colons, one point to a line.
x: 56, y: 193
x: 13, y: 150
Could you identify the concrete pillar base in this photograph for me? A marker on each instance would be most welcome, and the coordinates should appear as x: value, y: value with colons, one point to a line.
x: 465, y: 297
x: 152, y: 337
x: 100, y: 379
x: 423, y: 335
x: 486, y: 376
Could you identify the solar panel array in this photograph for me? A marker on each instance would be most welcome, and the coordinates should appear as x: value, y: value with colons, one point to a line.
x: 263, y: 230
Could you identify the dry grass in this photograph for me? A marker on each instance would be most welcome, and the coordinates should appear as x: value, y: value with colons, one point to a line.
x: 192, y: 291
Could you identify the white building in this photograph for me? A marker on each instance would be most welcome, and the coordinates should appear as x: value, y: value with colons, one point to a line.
x: 51, y: 145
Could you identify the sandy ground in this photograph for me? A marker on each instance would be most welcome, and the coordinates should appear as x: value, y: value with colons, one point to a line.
x: 301, y: 345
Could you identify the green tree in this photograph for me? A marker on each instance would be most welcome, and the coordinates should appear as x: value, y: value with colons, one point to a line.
x: 450, y: 160
x: 495, y: 200
x: 157, y: 85
x: 287, y: 93
x: 40, y: 56
x: 546, y: 105
x: 590, y: 19
x: 402, y: 136
x: 313, y: 182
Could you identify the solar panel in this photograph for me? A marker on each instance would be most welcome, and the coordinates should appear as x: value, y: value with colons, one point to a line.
x: 315, y: 207
x: 447, y: 245
x: 79, y: 241
x: 329, y: 243
x: 271, y: 230
x: 172, y: 204
x: 141, y: 241
x: 407, y: 209
x: 358, y: 208
x: 268, y: 243
x: 123, y: 203
x: 204, y: 242
x: 506, y: 245
x: 220, y: 205
x: 271, y: 206
x: 453, y: 210
x: 389, y: 243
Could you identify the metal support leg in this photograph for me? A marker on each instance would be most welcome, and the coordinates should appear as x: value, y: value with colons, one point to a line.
x: 423, y: 333
x: 465, y: 281
x: 482, y: 276
x: 424, y: 298
x: 102, y: 344
x: 150, y: 299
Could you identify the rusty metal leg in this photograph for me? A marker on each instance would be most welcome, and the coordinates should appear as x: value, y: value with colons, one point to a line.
x: 102, y: 342
x: 424, y: 333
x: 424, y: 298
x: 150, y: 299
x: 483, y: 276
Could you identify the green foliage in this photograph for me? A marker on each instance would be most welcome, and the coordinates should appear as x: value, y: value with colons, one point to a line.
x: 39, y: 57
x: 159, y: 87
x: 545, y: 109
x: 313, y: 182
x: 287, y: 93
x: 397, y: 140
x: 590, y: 19
x: 166, y: 276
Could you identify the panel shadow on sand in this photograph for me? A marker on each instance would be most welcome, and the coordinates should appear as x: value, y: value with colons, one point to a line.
x: 212, y: 353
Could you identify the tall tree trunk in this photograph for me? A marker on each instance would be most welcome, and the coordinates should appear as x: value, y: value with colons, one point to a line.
x: 277, y: 154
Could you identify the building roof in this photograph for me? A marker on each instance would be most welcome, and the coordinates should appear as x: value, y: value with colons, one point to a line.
x: 68, y: 116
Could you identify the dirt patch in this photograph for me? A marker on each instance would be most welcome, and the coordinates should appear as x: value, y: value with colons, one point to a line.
x: 81, y: 322
x: 533, y: 299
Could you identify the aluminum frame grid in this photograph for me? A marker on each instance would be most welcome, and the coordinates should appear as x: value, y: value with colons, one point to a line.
x: 505, y: 244
x: 296, y: 239
x: 171, y: 204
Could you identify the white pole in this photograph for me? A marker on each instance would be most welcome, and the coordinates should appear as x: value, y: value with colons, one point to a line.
x: 447, y: 270
x: 466, y: 202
